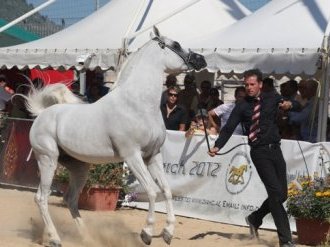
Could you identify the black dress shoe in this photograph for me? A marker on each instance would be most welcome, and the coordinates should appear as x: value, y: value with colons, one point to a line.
x: 253, y: 229
x: 287, y: 244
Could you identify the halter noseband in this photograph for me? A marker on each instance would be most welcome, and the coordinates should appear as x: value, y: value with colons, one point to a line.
x: 185, y: 58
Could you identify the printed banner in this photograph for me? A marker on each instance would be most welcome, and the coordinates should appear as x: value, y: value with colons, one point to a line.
x: 226, y: 188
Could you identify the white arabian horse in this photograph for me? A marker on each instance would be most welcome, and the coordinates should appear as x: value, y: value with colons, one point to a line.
x: 125, y: 125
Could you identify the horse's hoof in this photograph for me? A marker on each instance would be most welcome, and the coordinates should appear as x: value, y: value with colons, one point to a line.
x: 167, y: 236
x: 146, y: 238
x: 55, y: 243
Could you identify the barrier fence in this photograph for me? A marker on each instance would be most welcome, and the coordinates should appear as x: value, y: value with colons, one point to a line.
x: 15, y: 169
x: 226, y: 188
x: 222, y: 189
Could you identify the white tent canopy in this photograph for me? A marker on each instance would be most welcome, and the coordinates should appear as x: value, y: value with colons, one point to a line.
x: 282, y: 37
x: 98, y: 38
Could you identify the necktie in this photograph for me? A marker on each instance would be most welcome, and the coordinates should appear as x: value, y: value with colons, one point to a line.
x: 254, y: 129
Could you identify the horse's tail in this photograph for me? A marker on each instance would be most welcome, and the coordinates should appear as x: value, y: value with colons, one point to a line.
x: 39, y: 99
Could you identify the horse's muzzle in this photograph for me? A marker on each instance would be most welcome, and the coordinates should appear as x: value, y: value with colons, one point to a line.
x: 196, y: 61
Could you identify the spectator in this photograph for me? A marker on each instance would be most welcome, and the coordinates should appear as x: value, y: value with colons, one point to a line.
x: 288, y: 130
x: 268, y: 84
x: 99, y: 80
x: 5, y: 94
x: 223, y: 112
x: 204, y: 97
x: 307, y: 117
x: 174, y: 115
x: 301, y: 98
x: 94, y: 93
x: 188, y: 98
x: 214, y: 99
x: 170, y: 82
x: 289, y: 90
x: 197, y: 125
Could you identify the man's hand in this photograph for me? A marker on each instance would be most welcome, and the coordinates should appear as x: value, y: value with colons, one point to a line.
x: 213, y: 151
x: 285, y: 105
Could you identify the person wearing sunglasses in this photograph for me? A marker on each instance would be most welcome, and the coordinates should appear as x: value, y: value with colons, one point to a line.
x: 174, y: 115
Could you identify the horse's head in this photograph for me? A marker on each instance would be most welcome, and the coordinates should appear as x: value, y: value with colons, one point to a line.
x: 191, y: 60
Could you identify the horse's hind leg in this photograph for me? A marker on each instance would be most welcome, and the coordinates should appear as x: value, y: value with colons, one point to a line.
x: 140, y: 171
x: 155, y: 167
x: 78, y: 175
x: 47, y: 166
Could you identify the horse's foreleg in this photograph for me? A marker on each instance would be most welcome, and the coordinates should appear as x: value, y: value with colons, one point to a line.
x: 140, y: 171
x: 47, y: 166
x: 155, y: 167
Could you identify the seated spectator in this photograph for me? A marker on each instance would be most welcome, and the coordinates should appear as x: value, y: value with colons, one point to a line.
x: 94, y: 93
x: 170, y: 82
x: 188, y: 98
x: 204, y: 96
x: 99, y: 80
x: 5, y: 94
x: 197, y: 125
x: 223, y: 112
x: 214, y: 99
x: 174, y: 115
x: 307, y: 117
x: 289, y: 90
x: 288, y: 130
x: 301, y: 98
x: 268, y: 84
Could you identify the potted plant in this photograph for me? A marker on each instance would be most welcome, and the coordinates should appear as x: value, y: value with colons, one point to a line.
x: 103, y: 185
x: 61, y: 179
x: 309, y: 202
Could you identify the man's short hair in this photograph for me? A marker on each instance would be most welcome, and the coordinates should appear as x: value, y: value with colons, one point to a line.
x: 189, y: 78
x: 239, y: 89
x: 173, y: 88
x: 214, y: 92
x: 3, y: 78
x: 171, y: 80
x: 253, y: 72
x: 293, y: 84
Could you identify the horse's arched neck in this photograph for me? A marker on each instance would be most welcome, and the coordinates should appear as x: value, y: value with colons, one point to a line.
x: 144, y: 72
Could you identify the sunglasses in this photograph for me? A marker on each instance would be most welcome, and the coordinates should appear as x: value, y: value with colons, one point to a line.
x: 173, y: 94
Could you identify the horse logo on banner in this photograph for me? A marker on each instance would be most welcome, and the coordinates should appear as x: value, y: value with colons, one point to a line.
x: 239, y: 172
x: 236, y: 174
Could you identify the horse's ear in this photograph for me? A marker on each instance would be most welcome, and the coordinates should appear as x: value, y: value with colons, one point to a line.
x: 156, y: 31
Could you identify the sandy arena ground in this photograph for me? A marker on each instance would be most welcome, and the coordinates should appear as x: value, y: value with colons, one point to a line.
x: 21, y: 226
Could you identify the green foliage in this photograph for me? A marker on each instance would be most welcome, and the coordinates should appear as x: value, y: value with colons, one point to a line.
x: 108, y: 176
x: 310, y: 198
x: 62, y: 175
x: 112, y: 175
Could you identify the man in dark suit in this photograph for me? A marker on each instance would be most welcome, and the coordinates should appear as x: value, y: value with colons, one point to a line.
x: 258, y: 113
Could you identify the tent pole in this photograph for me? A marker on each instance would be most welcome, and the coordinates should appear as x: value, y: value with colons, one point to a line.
x: 129, y: 28
x: 163, y: 18
x: 82, y: 81
x: 19, y: 19
x: 324, y: 95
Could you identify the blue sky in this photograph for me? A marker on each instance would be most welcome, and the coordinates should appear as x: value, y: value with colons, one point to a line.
x: 75, y: 10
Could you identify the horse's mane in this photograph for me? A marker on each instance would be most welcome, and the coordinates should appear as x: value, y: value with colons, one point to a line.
x: 124, y: 68
x: 39, y: 99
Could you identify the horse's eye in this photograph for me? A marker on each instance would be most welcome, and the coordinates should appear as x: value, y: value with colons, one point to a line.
x: 176, y: 45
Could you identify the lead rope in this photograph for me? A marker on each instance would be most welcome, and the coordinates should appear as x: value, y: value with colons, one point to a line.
x: 207, y: 139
